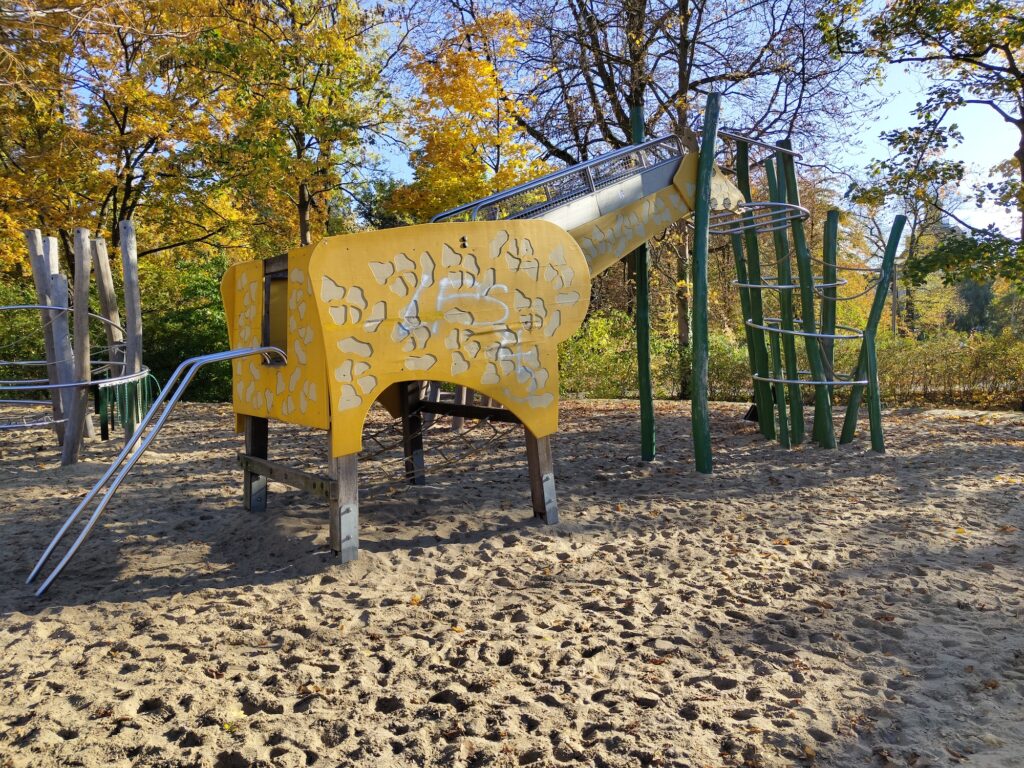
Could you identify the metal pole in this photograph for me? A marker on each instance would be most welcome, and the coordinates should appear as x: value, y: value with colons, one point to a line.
x: 643, y: 319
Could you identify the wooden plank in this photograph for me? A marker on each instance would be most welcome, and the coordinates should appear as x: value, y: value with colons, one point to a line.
x: 542, y: 478
x: 108, y: 303
x: 254, y: 484
x: 317, y: 485
x: 467, y: 411
x: 78, y: 414
x: 344, y: 510
x: 41, y: 277
x: 412, y: 432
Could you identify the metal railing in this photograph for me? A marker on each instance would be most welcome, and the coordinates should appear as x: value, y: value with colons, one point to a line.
x: 133, y: 449
x: 532, y: 198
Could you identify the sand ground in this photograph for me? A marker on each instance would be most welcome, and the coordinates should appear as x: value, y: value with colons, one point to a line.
x: 801, y: 608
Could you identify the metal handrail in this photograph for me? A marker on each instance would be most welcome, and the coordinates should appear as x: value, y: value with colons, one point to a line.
x: 185, y: 372
x: 585, y: 167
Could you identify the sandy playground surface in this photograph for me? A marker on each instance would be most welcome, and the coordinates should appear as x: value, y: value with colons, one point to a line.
x: 803, y: 608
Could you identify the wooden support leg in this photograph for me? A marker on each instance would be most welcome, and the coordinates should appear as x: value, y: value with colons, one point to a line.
x: 874, y: 397
x: 344, y: 511
x: 412, y: 433
x: 542, y: 478
x: 459, y: 399
x: 254, y: 487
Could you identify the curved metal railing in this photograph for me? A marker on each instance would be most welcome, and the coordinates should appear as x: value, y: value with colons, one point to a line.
x: 135, y: 446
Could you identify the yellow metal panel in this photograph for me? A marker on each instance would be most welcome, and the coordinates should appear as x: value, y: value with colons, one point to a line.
x: 295, y: 392
x: 481, y: 304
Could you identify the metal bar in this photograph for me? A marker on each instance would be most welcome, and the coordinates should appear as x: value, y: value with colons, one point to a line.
x: 467, y: 411
x: 317, y: 485
x: 700, y: 418
x: 756, y: 300
x: 127, y: 458
x: 877, y: 306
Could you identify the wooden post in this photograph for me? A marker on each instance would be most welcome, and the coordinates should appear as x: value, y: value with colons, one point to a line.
x: 133, y: 319
x: 780, y: 392
x: 877, y: 306
x: 700, y: 418
x: 741, y: 277
x: 108, y: 304
x: 460, y: 398
x: 645, y: 386
x: 831, y: 275
x: 344, y: 506
x: 767, y: 422
x: 824, y: 430
x: 254, y: 486
x: 41, y: 277
x: 874, y: 396
x: 542, y: 478
x: 412, y: 432
x: 78, y: 414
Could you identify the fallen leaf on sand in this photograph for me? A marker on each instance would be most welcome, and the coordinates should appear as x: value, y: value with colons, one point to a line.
x: 415, y: 599
x: 458, y: 629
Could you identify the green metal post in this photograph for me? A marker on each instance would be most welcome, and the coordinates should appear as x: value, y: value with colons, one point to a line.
x: 824, y: 431
x: 780, y: 392
x: 701, y: 422
x: 784, y: 276
x: 643, y: 320
x: 764, y: 416
x: 874, y: 397
x: 877, y: 306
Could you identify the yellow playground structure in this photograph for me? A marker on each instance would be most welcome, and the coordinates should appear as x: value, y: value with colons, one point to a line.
x: 480, y: 299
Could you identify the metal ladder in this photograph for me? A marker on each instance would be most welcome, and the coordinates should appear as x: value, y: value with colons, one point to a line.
x: 133, y: 449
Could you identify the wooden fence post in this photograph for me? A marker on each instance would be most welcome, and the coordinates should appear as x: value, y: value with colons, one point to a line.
x: 41, y: 277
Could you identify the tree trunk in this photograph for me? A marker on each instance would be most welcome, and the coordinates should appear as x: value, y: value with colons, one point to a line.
x: 303, y: 208
x: 1019, y: 154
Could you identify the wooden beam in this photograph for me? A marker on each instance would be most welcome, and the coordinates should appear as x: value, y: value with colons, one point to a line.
x: 542, y: 478
x: 62, y: 341
x: 412, y: 432
x: 467, y: 411
x: 317, y: 485
x: 344, y: 510
x: 41, y: 277
x: 254, y: 483
x: 132, y: 320
x: 108, y: 302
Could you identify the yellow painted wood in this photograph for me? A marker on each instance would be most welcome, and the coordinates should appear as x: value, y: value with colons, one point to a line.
x: 477, y: 304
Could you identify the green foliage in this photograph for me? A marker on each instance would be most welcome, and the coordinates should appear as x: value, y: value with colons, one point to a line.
x: 980, y: 255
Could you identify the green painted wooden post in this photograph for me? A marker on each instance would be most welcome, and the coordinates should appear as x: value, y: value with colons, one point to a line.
x: 741, y: 277
x: 780, y: 392
x: 701, y: 422
x: 648, y: 446
x: 784, y: 276
x: 824, y: 431
x: 874, y: 396
x: 831, y: 274
x: 765, y: 419
x: 860, y: 371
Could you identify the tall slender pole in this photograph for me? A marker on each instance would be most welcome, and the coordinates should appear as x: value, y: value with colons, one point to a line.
x: 699, y: 344
x: 643, y: 319
x: 765, y: 420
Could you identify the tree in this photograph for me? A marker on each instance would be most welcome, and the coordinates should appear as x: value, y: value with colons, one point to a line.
x: 299, y: 87
x: 973, y: 51
x: 468, y: 128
